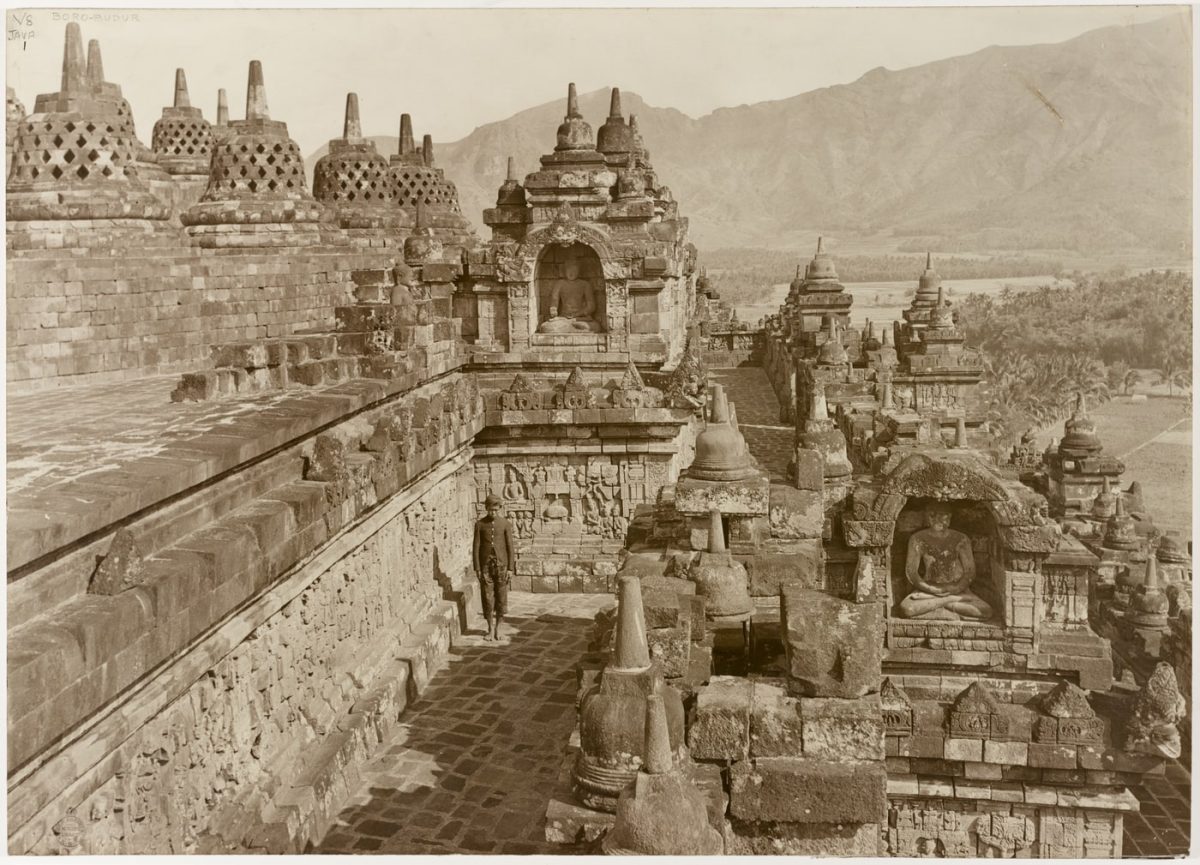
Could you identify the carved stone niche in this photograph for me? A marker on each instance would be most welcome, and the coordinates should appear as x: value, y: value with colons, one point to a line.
x: 569, y: 279
x: 944, y: 557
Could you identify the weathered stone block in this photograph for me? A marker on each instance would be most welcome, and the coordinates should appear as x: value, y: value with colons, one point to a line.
x: 750, y: 838
x: 868, y: 533
x: 795, y: 513
x: 842, y: 729
x: 809, y: 470
x: 803, y: 790
x: 721, y: 730
x: 698, y: 497
x: 803, y: 565
x: 832, y: 646
x: 776, y: 728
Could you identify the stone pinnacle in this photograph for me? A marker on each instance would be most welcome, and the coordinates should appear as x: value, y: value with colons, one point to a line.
x: 95, y: 64
x: 614, y: 105
x: 572, y: 101
x: 820, y: 244
x: 631, y: 652
x: 222, y: 108
x: 719, y: 413
x: 887, y: 391
x: 1080, y: 404
x: 406, y: 135
x: 716, y: 532
x: 799, y: 267
x: 352, y: 127
x: 427, y: 150
x: 928, y: 260
x: 1151, y: 581
x: 73, y: 64
x: 512, y: 170
x: 818, y: 409
x: 181, y: 91
x: 960, y: 433
x: 657, y: 751
x: 256, y: 94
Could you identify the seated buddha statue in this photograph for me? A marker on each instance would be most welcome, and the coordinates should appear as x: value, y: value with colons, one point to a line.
x: 572, y: 305
x: 941, y: 567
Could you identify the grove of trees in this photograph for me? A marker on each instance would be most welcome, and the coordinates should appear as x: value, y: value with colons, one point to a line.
x: 1101, y: 337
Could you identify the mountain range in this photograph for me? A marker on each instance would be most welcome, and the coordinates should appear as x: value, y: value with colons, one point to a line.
x: 1080, y: 145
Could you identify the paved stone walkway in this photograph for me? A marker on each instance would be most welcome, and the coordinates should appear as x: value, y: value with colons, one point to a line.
x: 1164, y: 826
x: 771, y: 442
x: 471, y: 765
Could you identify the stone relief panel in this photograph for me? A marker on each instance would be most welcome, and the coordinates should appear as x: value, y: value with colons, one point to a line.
x: 214, y: 757
x: 570, y: 496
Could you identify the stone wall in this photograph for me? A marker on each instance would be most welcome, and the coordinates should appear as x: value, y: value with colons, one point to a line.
x: 290, y: 693
x: 99, y: 314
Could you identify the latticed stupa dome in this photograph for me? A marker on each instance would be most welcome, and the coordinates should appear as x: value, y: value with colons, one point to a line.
x: 182, y: 138
x: 80, y: 144
x: 256, y: 178
x: 353, y: 171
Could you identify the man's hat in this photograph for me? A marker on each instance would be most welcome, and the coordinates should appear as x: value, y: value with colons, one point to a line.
x: 492, y: 500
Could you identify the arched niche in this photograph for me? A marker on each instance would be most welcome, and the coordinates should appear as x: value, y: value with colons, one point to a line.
x: 570, y: 269
x: 973, y: 519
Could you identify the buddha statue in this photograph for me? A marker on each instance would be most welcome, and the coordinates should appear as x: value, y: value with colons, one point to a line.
x: 572, y: 304
x: 941, y: 567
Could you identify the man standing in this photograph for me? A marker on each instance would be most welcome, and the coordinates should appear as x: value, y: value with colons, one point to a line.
x: 494, y: 559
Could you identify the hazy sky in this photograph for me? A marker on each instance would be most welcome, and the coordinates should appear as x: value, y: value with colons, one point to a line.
x: 454, y: 70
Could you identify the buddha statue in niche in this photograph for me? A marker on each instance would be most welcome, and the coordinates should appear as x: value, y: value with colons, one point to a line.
x: 572, y: 304
x: 941, y: 567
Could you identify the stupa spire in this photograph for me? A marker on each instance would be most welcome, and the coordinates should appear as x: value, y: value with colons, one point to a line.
x: 352, y: 127
x: 95, y: 64
x: 256, y: 94
x: 631, y: 651
x: 960, y: 433
x: 820, y: 244
x: 407, y: 145
x: 614, y: 104
x: 818, y: 408
x: 716, y: 532
x: 73, y: 69
x: 512, y: 170
x: 222, y: 108
x: 427, y: 150
x: 719, y: 413
x: 656, y: 759
x: 572, y: 101
x: 182, y: 100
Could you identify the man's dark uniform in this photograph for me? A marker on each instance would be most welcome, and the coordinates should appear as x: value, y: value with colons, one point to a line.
x: 493, y: 556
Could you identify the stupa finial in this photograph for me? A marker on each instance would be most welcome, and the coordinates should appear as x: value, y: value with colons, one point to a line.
x: 656, y: 759
x: 572, y: 101
x: 256, y: 94
x: 182, y: 100
x: 820, y: 244
x: 352, y: 127
x: 222, y: 108
x: 73, y: 69
x: 512, y: 169
x: 95, y: 64
x: 614, y: 105
x: 716, y: 532
x: 427, y: 150
x: 407, y: 145
x: 631, y: 651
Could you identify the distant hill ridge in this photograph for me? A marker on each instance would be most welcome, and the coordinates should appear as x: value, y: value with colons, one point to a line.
x: 1084, y: 144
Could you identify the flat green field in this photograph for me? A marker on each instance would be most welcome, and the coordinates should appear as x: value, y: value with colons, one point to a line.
x: 1154, y: 439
